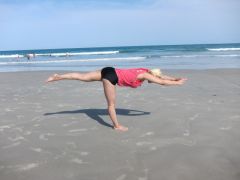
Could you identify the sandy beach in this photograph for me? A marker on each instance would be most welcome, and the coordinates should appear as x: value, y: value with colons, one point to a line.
x: 61, y: 131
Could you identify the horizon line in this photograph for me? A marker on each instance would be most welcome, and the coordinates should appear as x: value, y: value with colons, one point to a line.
x: 120, y: 46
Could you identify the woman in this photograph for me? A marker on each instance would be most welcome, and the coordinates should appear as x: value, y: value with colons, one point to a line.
x: 123, y: 77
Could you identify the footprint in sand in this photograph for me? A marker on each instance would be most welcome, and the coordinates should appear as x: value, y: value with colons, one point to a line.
x: 78, y: 161
x: 194, y: 117
x: 37, y: 149
x: 43, y: 136
x: 27, y: 133
x: 122, y: 177
x: 143, y: 143
x: 26, y: 167
x: 4, y: 127
x: 235, y: 117
x: 147, y: 134
x: 9, y: 110
x: 186, y: 133
x: 11, y: 145
x: 153, y: 148
x: 16, y: 138
x: 225, y: 128
x: 77, y: 130
x: 84, y: 153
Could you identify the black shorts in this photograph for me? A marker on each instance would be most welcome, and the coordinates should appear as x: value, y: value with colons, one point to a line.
x: 109, y: 74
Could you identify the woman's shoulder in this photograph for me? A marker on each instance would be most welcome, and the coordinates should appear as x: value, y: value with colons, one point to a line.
x: 139, y: 70
x: 141, y: 76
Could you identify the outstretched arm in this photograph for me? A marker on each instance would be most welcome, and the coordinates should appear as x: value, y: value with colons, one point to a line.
x: 161, y: 81
x: 170, y: 78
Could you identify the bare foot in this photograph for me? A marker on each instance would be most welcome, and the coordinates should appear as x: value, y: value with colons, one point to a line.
x: 52, y: 78
x: 121, y: 128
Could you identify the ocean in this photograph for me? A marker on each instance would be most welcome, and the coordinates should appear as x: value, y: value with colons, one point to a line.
x: 204, y: 56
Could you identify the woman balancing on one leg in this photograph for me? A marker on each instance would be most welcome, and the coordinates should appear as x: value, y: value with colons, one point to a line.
x: 123, y: 77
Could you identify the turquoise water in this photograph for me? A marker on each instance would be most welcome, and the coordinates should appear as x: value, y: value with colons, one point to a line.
x: 205, y: 56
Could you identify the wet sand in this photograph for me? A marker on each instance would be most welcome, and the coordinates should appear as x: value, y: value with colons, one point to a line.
x: 61, y: 130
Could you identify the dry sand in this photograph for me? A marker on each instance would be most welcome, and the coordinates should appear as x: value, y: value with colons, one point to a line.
x: 61, y: 131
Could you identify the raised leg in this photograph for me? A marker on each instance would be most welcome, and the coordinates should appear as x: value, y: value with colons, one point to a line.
x: 110, y: 93
x: 87, y: 77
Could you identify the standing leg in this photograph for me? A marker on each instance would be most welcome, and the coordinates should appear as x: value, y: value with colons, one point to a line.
x: 87, y: 77
x: 110, y: 93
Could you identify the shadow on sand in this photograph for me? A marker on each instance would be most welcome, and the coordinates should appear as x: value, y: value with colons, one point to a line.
x: 96, y: 113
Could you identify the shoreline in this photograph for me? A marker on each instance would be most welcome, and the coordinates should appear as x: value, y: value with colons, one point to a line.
x: 46, y: 71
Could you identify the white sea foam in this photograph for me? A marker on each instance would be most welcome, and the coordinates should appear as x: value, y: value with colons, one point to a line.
x: 11, y: 56
x: 73, y: 60
x: 62, y: 54
x: 223, y: 49
x: 78, y: 53
x: 229, y: 55
x: 181, y: 56
x: 195, y: 56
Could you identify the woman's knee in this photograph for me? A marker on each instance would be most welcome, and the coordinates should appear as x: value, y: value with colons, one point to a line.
x: 92, y: 76
x: 82, y: 77
x: 76, y: 76
x: 111, y: 105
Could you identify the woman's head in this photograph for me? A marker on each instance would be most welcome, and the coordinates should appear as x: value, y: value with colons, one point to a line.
x: 156, y: 72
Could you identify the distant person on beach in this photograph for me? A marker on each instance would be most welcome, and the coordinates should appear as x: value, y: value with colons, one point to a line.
x: 123, y: 77
x: 29, y: 56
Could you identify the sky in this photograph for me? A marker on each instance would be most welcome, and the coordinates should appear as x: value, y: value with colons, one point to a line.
x: 45, y: 24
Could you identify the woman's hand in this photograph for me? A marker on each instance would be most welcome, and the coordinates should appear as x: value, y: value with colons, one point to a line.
x: 120, y: 128
x: 180, y: 81
x: 177, y: 79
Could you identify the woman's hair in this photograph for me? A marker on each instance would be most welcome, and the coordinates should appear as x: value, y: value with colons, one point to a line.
x: 156, y: 72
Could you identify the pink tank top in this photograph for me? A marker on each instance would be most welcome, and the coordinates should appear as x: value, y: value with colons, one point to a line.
x: 128, y: 77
